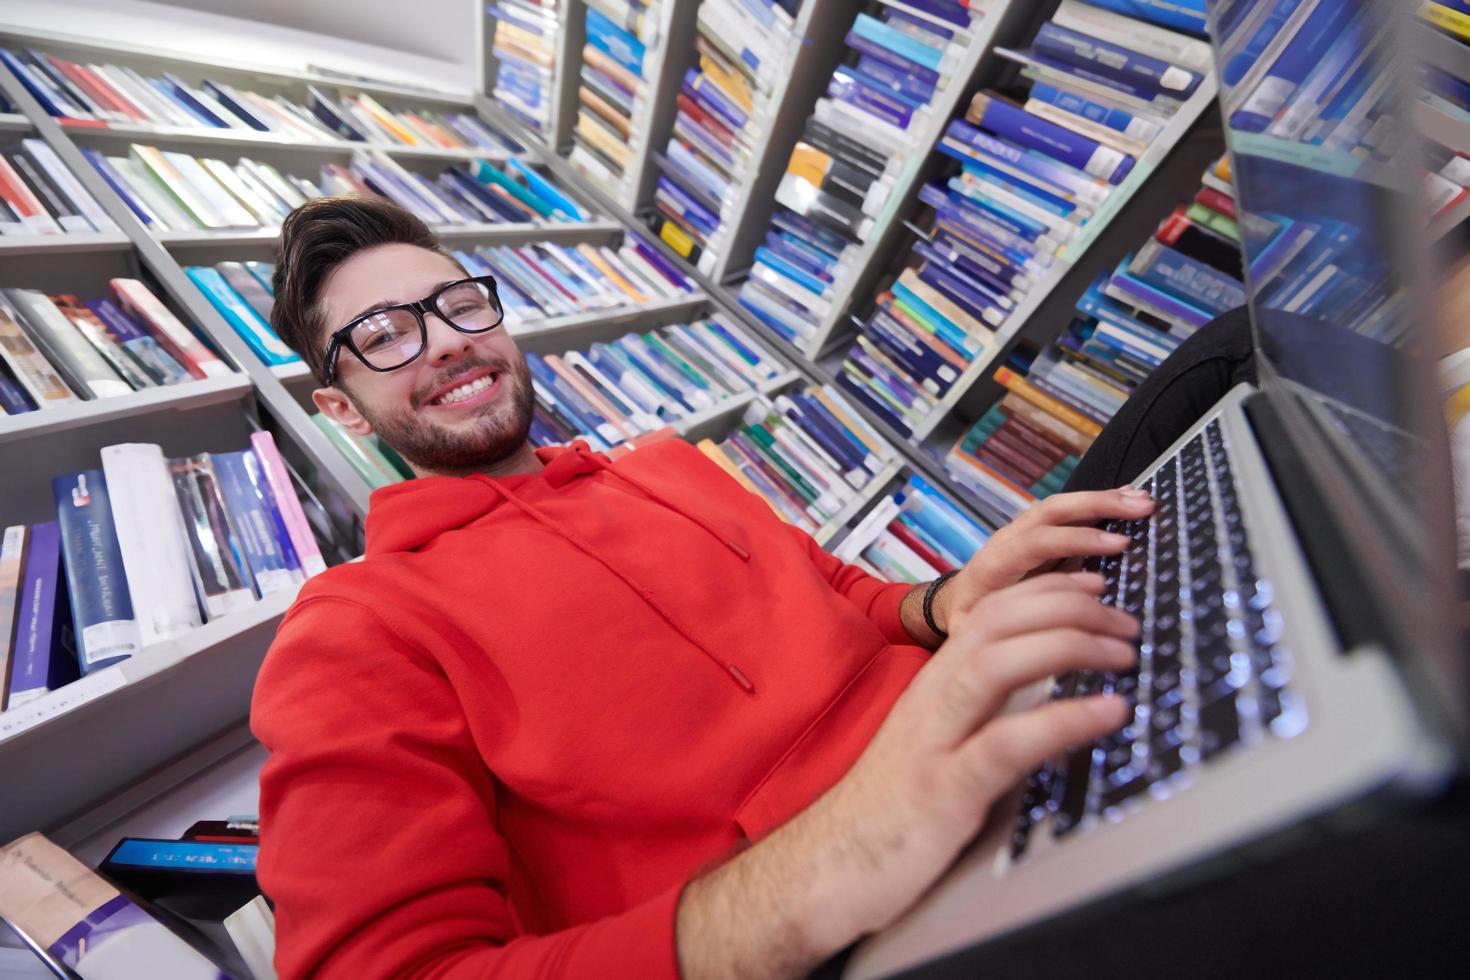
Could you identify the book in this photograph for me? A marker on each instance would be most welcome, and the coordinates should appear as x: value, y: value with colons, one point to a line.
x: 12, y: 564
x: 101, y: 605
x: 78, y: 920
x: 269, y: 556
x: 93, y: 331
x: 220, y: 579
x: 151, y: 541
x: 86, y: 372
x: 283, y: 499
x: 243, y: 319
x: 32, y: 371
x: 43, y: 655
x: 176, y: 338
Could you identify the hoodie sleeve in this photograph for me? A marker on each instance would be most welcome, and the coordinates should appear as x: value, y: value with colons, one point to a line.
x: 876, y: 599
x: 379, y: 844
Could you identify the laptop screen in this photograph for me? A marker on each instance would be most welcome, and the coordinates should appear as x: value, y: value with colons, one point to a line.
x: 1328, y: 184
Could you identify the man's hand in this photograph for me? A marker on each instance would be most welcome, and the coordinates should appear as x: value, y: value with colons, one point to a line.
x: 1054, y: 530
x: 869, y: 847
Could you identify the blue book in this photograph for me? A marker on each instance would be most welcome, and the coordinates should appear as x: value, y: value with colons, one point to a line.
x: 1242, y: 59
x: 766, y: 257
x: 241, y: 317
x: 922, y: 361
x: 918, y: 74
x: 566, y: 207
x: 252, y: 518
x: 1103, y: 58
x: 45, y: 654
x: 846, y: 458
x: 1016, y: 124
x: 858, y: 393
x: 1122, y: 326
x: 886, y: 73
x: 54, y: 102
x: 1118, y: 120
x: 945, y: 329
x: 182, y: 95
x: 13, y: 399
x: 101, y: 606
x: 995, y: 210
x: 962, y: 535
x: 1003, y: 182
x: 614, y: 42
x: 1047, y: 171
x: 884, y: 35
x: 817, y: 410
x: 1179, y: 15
x: 1208, y: 288
x: 973, y: 303
x: 158, y: 363
x: 1126, y: 288
x: 851, y: 86
x: 118, y: 184
x: 978, y: 277
x: 1302, y: 53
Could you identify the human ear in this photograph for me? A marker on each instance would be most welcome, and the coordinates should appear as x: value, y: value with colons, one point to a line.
x: 335, y: 405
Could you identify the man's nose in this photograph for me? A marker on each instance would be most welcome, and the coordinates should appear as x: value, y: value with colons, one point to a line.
x: 443, y: 342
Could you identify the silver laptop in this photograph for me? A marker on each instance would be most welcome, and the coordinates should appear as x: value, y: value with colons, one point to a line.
x: 1295, y: 583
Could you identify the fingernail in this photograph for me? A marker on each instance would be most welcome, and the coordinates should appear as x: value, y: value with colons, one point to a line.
x: 1120, y: 647
x: 1086, y: 578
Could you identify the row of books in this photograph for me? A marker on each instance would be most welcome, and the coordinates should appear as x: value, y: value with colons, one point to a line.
x: 623, y: 42
x: 174, y: 191
x: 806, y: 453
x: 1447, y: 183
x: 40, y: 196
x: 59, y: 350
x: 1450, y: 16
x: 100, y: 95
x: 143, y: 550
x: 724, y: 104
x: 859, y: 140
x: 913, y: 535
x: 541, y: 281
x: 1031, y: 176
x: 1297, y: 72
x: 610, y: 394
x: 242, y: 294
x: 523, y: 44
x: 1057, y: 401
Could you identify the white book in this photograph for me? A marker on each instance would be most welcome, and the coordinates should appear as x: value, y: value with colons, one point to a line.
x: 791, y: 290
x: 1135, y: 35
x: 260, y: 209
x: 272, y: 178
x: 144, y: 101
x: 857, y: 541
x: 637, y: 277
x: 142, y: 183
x: 261, y: 190
x: 231, y: 212
x: 62, y: 907
x: 68, y: 184
x: 252, y: 928
x: 644, y: 420
x: 171, y: 110
x: 647, y: 270
x: 150, y: 535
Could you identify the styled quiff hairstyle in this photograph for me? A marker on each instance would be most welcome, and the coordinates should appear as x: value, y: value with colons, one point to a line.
x: 316, y: 238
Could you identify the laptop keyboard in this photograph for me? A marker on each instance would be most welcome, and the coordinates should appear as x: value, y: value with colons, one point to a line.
x: 1213, y: 674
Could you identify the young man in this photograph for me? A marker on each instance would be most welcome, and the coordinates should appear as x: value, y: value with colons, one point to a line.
x: 573, y: 717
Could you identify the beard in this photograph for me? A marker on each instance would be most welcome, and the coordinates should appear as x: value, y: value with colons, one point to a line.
x: 497, y: 432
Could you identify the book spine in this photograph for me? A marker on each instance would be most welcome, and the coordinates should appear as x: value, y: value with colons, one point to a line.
x: 44, y: 656
x: 1014, y: 123
x: 254, y: 526
x: 102, y: 610
x: 87, y: 373
x: 1134, y: 34
x: 1164, y: 268
x: 244, y: 320
x: 1128, y: 66
x: 220, y: 580
x: 176, y: 338
x: 286, y: 504
x: 150, y: 535
x: 1182, y: 15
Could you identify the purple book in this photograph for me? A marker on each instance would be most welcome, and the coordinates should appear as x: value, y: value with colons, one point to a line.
x: 156, y: 362
x: 13, y: 399
x: 863, y: 45
x: 967, y: 299
x: 855, y: 90
x: 661, y: 264
x: 45, y: 655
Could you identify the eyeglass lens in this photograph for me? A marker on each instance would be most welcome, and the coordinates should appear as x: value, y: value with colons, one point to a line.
x: 393, y: 337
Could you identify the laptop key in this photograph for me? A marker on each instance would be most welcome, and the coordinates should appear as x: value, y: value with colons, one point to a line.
x: 1076, y: 781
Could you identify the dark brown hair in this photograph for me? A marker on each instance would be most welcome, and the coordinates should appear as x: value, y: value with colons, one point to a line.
x: 316, y: 238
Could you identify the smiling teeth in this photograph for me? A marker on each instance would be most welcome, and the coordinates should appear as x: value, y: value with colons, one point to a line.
x: 465, y: 391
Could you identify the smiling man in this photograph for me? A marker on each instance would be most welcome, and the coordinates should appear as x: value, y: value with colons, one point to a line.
x: 585, y: 718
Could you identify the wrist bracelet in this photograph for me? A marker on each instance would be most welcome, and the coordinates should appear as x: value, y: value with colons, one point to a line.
x: 929, y: 595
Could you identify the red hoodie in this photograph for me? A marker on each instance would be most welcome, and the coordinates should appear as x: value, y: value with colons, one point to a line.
x: 502, y: 743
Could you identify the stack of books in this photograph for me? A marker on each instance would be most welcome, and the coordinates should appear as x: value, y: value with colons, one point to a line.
x: 100, y: 96
x: 622, y: 43
x: 142, y: 551
x: 1297, y: 73
x: 1031, y: 177
x: 913, y: 535
x: 1191, y: 271
x: 174, y: 191
x: 59, y: 350
x: 807, y: 454
x: 725, y: 102
x: 843, y: 171
x: 523, y: 44
x: 241, y: 293
x: 614, y: 393
x: 39, y: 196
x: 541, y: 281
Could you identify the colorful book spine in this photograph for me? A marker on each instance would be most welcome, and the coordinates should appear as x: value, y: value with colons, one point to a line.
x: 101, y: 605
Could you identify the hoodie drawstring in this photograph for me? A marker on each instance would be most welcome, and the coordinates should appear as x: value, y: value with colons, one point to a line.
x: 645, y: 594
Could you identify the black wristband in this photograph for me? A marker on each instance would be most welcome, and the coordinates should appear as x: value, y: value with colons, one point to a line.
x: 929, y: 595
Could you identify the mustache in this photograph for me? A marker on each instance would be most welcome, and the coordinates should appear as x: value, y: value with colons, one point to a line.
x: 447, y: 376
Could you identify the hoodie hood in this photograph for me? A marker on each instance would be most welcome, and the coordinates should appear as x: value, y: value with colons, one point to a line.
x: 408, y: 515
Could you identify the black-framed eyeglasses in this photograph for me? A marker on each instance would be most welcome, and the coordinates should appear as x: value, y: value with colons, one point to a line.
x: 386, y: 339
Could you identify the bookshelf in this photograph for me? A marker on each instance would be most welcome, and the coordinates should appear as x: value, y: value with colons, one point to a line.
x: 812, y: 50
x: 1202, y: 100
x: 81, y: 743
x: 1001, y: 23
x: 41, y: 245
x: 14, y: 122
